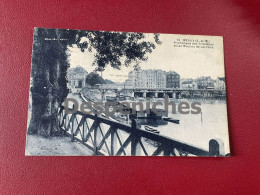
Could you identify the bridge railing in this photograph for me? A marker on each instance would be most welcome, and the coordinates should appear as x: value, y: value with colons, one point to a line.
x: 107, y: 137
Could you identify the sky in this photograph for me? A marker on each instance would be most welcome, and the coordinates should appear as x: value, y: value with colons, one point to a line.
x: 188, y: 62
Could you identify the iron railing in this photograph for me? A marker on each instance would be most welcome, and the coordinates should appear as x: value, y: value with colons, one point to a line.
x: 107, y: 137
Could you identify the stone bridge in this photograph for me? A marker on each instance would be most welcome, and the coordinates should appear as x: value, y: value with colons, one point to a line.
x: 161, y: 92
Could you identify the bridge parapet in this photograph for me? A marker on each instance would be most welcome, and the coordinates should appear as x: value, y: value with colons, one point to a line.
x: 152, y: 89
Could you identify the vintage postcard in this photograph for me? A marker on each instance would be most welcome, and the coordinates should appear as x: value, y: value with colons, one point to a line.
x: 126, y: 94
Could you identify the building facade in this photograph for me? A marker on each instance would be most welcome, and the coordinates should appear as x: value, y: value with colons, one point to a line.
x: 205, y: 82
x: 76, y: 78
x: 188, y: 84
x: 134, y: 78
x: 146, y: 79
x: 172, y: 80
x: 161, y: 78
x: 220, y: 83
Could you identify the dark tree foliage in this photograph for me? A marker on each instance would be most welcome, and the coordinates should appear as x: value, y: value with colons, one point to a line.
x: 93, y: 79
x: 50, y: 64
x: 107, y: 81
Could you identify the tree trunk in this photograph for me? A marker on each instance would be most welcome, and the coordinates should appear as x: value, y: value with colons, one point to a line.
x: 43, y: 122
x: 49, y: 87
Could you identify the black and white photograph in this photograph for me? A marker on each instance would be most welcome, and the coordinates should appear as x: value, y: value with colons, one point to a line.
x: 102, y: 93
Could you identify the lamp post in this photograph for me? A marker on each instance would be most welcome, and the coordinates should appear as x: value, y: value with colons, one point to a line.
x: 102, y: 95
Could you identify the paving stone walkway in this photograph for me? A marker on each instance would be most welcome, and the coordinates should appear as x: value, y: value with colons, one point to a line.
x: 55, y: 146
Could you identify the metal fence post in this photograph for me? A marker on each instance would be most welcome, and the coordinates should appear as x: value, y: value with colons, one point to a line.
x: 135, y: 140
x: 72, y: 125
x: 97, y: 135
x: 113, y: 142
x: 216, y: 147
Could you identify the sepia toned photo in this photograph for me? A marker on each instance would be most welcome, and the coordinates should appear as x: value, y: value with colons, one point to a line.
x: 100, y: 93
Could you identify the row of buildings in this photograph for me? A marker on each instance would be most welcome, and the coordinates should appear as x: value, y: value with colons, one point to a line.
x: 160, y: 79
x: 153, y: 79
x: 204, y: 83
x: 149, y: 79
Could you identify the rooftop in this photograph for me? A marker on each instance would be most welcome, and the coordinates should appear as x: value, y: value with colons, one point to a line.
x: 221, y: 78
x: 187, y: 82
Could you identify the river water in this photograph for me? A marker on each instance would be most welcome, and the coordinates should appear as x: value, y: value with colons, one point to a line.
x: 196, y: 129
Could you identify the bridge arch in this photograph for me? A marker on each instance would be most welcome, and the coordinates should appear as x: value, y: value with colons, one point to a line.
x: 178, y: 94
x: 138, y: 94
x: 161, y: 94
x: 169, y: 95
x: 150, y: 94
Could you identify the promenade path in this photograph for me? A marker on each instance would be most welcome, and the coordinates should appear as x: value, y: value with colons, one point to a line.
x: 55, y: 146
